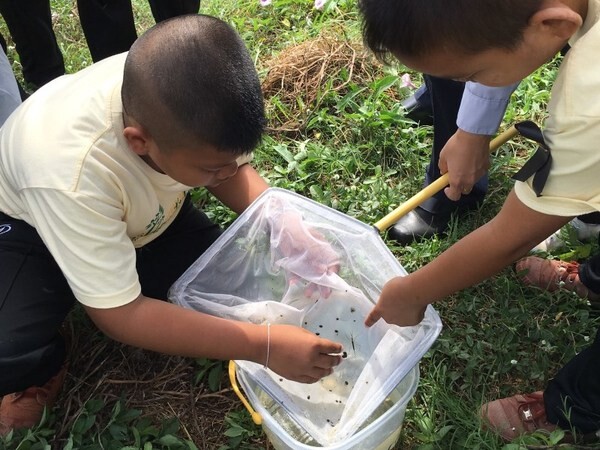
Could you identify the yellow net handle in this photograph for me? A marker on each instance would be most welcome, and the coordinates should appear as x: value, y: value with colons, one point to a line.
x: 256, y: 418
x: 435, y: 187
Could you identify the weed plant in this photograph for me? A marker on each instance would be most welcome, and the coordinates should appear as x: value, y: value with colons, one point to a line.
x: 357, y: 153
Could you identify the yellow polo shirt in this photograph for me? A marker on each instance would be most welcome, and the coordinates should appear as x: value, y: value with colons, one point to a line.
x: 572, y: 130
x: 66, y: 169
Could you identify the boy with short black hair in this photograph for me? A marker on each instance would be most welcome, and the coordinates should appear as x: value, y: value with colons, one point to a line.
x: 498, y: 42
x: 93, y: 208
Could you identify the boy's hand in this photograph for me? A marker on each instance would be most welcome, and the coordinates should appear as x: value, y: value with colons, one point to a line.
x: 299, y: 355
x: 466, y: 158
x: 396, y: 305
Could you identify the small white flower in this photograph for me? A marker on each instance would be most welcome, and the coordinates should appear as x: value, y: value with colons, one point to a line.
x: 265, y: 2
x: 513, y: 361
x: 406, y: 82
x: 320, y: 3
x: 586, y: 338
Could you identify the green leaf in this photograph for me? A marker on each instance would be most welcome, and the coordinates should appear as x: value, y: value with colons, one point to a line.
x: 69, y: 444
x: 136, y: 437
x: 191, y: 445
x: 118, y: 431
x: 129, y: 415
x: 214, y: 377
x: 170, y: 426
x: 444, y: 431
x: 316, y: 192
x: 384, y: 84
x: 169, y: 440
x: 93, y: 406
x: 284, y: 152
x: 234, y: 431
x: 556, y: 436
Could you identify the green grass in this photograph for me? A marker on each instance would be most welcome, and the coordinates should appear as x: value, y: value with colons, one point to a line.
x: 355, y: 152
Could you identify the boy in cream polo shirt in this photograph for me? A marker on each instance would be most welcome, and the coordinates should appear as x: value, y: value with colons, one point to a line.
x: 94, y: 170
x: 496, y: 43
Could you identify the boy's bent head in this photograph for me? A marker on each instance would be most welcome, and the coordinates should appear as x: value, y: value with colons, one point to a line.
x: 189, y: 81
x: 419, y: 27
x: 493, y: 42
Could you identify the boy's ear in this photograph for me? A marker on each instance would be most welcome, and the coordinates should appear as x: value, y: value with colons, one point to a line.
x: 137, y: 138
x: 558, y: 20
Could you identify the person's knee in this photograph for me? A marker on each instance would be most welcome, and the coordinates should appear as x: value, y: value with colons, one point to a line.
x: 23, y: 365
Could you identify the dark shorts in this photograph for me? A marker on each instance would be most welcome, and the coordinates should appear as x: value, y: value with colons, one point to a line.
x: 35, y: 297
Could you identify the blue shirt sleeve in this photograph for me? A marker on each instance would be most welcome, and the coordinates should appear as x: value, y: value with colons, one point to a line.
x: 482, y: 108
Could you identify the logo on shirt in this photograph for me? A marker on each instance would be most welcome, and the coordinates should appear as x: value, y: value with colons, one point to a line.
x: 161, y: 217
x: 5, y: 228
x: 157, y: 222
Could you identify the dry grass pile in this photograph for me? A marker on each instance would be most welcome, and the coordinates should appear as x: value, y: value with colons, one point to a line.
x: 293, y: 85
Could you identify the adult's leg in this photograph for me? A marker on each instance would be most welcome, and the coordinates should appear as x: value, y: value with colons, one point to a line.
x: 34, y: 301
x: 10, y: 96
x: 108, y: 26
x: 161, y: 262
x: 418, y: 106
x: 572, y: 398
x: 22, y: 94
x: 589, y: 274
x: 165, y: 9
x: 30, y: 25
x: 446, y: 96
x: 434, y: 214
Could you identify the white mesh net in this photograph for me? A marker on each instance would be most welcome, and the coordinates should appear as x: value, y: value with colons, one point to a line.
x: 258, y: 272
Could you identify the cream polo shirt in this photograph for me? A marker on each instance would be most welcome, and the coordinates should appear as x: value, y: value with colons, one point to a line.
x: 572, y: 130
x: 66, y: 169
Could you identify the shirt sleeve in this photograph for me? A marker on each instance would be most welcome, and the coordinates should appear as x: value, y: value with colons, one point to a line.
x: 88, y: 240
x: 482, y: 108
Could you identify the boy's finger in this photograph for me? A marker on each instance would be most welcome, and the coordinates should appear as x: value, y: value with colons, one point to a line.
x: 373, y: 317
x: 328, y: 362
x: 452, y: 193
x: 326, y: 347
x: 325, y: 361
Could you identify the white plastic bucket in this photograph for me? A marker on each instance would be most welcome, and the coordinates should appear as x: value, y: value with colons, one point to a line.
x: 380, y: 432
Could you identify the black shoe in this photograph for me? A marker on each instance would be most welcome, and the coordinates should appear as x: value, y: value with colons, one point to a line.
x: 418, y: 107
x: 418, y: 224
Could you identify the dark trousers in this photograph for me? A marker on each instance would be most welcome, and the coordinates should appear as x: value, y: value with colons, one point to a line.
x: 446, y: 96
x: 589, y: 273
x: 572, y: 398
x: 109, y: 25
x: 30, y: 25
x: 35, y: 297
x: 589, y: 270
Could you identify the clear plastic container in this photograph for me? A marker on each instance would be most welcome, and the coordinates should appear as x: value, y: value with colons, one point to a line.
x: 380, y: 432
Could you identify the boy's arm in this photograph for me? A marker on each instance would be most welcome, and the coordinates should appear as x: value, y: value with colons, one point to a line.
x: 514, y: 231
x: 240, y: 190
x: 156, y: 325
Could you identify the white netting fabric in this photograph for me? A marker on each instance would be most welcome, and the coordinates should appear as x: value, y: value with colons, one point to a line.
x: 257, y: 272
